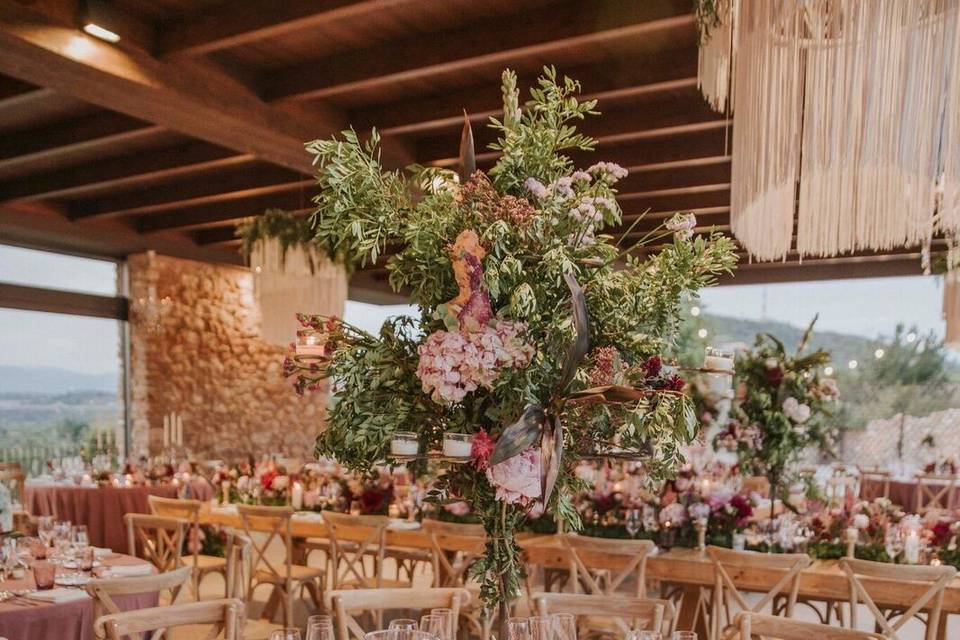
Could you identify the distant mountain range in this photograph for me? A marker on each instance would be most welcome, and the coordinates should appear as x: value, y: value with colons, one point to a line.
x: 51, y: 380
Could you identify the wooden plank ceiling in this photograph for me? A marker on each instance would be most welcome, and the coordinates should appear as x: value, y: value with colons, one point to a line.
x: 196, y: 119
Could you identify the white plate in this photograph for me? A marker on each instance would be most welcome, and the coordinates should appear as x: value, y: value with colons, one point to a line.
x: 72, y: 564
x: 72, y: 580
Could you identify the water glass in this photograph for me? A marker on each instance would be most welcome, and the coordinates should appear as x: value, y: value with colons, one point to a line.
x: 44, y: 574
x: 564, y: 626
x: 519, y: 629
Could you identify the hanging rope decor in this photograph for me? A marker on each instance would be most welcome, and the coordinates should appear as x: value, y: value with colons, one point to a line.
x: 951, y: 295
x: 294, y: 279
x: 847, y: 111
x: 715, y: 61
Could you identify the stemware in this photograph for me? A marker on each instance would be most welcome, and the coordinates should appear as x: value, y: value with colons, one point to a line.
x: 402, y: 624
x: 446, y: 616
x: 320, y: 630
x: 400, y: 634
x: 80, y: 536
x: 541, y: 628
x: 46, y: 529
x: 684, y: 635
x: 644, y: 635
x: 435, y: 625
x: 287, y: 633
x: 564, y: 626
x: 519, y: 629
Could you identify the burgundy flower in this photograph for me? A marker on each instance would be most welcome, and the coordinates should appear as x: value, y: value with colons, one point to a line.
x: 675, y: 383
x: 651, y: 368
x: 373, y: 500
x: 775, y: 376
x: 481, y: 449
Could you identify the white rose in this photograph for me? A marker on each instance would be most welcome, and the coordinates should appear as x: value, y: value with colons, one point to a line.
x: 796, y: 411
x: 861, y: 521
x: 771, y: 363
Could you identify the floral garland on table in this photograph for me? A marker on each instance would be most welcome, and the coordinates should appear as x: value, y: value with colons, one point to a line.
x: 516, y: 281
x: 783, y: 408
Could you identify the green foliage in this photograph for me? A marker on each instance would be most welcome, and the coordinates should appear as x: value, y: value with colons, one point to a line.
x: 289, y: 229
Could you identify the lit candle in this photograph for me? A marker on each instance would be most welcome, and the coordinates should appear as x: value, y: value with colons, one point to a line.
x: 404, y: 444
x: 310, y: 343
x: 852, y: 535
x: 911, y: 547
x: 179, y: 431
x: 720, y: 383
x: 166, y: 431
x: 296, y: 496
x: 705, y: 487
x: 457, y: 445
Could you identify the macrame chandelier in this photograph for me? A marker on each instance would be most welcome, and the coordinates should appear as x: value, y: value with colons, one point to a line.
x: 847, y: 111
x: 294, y: 279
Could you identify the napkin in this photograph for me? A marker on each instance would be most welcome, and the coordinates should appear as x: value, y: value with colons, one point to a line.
x: 397, y: 524
x: 59, y: 595
x: 309, y: 516
x: 101, y: 552
x: 130, y: 570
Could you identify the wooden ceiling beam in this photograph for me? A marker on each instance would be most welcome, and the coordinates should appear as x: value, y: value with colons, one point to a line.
x: 88, y: 130
x: 555, y: 28
x: 243, y: 178
x: 659, y: 76
x: 227, y: 210
x: 125, y: 172
x: 208, y: 31
x: 207, y: 105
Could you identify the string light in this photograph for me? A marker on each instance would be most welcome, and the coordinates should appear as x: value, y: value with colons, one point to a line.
x: 852, y: 364
x: 702, y: 333
x: 695, y: 311
x: 911, y: 337
x: 828, y: 371
x: 879, y: 353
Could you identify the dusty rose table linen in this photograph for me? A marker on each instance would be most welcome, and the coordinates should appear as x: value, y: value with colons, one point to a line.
x: 100, y: 508
x: 902, y: 493
x: 61, y: 621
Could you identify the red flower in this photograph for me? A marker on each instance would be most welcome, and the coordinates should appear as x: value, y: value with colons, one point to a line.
x: 651, y: 368
x: 481, y: 449
x: 674, y: 383
x: 775, y: 376
x: 266, y: 480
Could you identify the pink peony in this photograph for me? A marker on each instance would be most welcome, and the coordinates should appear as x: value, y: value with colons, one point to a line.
x: 517, y: 479
x: 481, y: 448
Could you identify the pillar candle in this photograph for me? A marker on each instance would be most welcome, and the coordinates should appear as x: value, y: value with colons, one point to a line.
x: 179, y: 430
x: 166, y: 431
x: 296, y: 496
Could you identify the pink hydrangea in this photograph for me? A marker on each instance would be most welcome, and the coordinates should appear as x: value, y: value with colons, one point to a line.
x: 517, y: 479
x: 455, y: 363
x: 674, y: 513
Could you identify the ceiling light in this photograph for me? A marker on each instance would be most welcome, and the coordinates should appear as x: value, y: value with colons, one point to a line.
x: 97, y: 31
x: 694, y: 311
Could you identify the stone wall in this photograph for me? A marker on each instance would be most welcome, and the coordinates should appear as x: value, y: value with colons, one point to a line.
x: 204, y: 358
x: 876, y: 445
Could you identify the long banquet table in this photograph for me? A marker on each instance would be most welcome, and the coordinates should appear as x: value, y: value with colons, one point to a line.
x: 687, y: 568
x: 72, y: 620
x: 101, y: 509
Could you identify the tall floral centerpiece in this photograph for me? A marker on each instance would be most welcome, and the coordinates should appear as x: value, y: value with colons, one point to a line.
x: 783, y: 408
x: 539, y: 335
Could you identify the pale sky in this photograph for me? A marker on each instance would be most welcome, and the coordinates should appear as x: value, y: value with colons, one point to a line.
x: 865, y: 307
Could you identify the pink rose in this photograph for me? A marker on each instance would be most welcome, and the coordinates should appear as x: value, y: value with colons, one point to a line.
x: 517, y: 479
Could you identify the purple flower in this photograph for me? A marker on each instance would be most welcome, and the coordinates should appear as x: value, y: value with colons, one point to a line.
x: 535, y: 187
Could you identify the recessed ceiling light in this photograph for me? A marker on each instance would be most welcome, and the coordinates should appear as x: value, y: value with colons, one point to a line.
x: 97, y: 31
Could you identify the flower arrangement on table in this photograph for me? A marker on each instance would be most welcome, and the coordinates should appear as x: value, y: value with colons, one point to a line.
x: 784, y: 408
x: 522, y: 297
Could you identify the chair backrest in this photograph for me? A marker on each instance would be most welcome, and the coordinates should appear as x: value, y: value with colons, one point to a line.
x: 12, y: 475
x: 239, y: 565
x: 874, y: 484
x: 352, y: 538
x: 896, y: 576
x: 588, y: 554
x: 347, y: 603
x: 184, y: 509
x: 628, y: 613
x: 841, y: 490
x: 225, y: 616
x: 455, y: 546
x: 787, y: 566
x: 275, y: 522
x: 103, y: 590
x: 159, y: 540
x: 935, y: 493
x: 759, y: 625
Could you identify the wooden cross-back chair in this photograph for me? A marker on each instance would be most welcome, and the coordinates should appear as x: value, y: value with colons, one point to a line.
x: 626, y: 613
x: 224, y: 617
x: 874, y: 484
x: 189, y: 510
x: 104, y: 590
x: 592, y: 561
x: 454, y: 547
x: 346, y: 604
x: 352, y: 539
x: 864, y: 576
x: 726, y: 592
x: 262, y: 526
x: 935, y: 493
x: 12, y: 475
x: 841, y: 490
x: 757, y: 625
x: 159, y: 540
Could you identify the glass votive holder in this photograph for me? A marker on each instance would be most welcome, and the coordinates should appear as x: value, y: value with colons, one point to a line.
x: 44, y: 574
x: 457, y: 446
x: 404, y: 444
x: 310, y: 343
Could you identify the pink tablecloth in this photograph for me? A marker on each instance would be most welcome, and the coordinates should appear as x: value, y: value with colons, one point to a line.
x: 100, y: 508
x: 64, y: 621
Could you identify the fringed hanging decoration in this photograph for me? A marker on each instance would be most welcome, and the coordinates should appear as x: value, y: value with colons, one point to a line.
x: 294, y: 279
x: 847, y: 111
x: 951, y: 295
x: 768, y: 84
x: 718, y: 25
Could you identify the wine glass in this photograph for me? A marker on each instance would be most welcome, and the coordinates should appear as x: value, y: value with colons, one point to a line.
x: 446, y: 616
x: 434, y: 625
x: 893, y: 542
x: 287, y: 633
x: 541, y: 628
x: 320, y: 630
x: 519, y: 629
x: 402, y: 624
x: 45, y: 529
x: 633, y: 522
x: 684, y: 635
x: 644, y: 635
